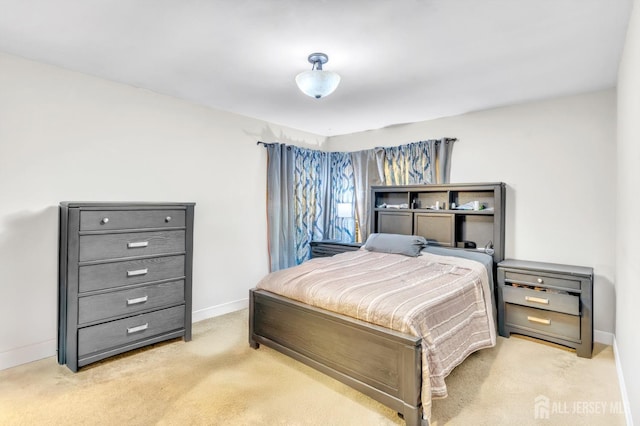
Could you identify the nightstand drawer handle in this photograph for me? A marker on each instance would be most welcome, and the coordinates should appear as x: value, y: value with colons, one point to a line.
x: 137, y: 272
x: 539, y: 320
x: 138, y: 244
x: 104, y: 221
x: 137, y: 300
x: 540, y: 280
x: 536, y: 300
x: 137, y: 328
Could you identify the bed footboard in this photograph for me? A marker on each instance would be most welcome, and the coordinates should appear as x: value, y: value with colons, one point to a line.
x: 376, y: 361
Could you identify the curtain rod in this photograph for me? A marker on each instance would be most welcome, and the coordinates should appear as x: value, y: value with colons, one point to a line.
x: 265, y: 144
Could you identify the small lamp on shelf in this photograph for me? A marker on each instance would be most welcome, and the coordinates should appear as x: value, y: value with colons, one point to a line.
x: 345, y: 211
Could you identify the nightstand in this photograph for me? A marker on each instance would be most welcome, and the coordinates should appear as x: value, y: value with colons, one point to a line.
x: 547, y: 301
x: 326, y: 248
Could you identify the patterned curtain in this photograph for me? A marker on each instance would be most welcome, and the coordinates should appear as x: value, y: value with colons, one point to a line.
x: 311, y: 189
x: 341, y: 228
x: 407, y: 164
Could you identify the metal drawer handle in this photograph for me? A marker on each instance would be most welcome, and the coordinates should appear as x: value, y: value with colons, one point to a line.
x: 137, y: 328
x: 138, y: 244
x: 137, y: 300
x: 540, y: 280
x: 539, y: 320
x: 104, y: 221
x: 137, y: 272
x: 536, y: 300
x: 167, y: 219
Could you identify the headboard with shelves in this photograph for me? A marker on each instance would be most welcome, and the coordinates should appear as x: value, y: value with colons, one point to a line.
x: 434, y: 212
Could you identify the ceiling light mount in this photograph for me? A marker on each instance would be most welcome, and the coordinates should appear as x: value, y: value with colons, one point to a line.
x: 317, y: 82
x: 317, y: 60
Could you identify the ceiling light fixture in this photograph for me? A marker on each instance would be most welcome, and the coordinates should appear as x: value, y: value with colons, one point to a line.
x: 317, y: 82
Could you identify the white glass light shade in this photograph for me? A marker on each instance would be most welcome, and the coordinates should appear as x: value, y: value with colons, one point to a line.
x: 317, y: 83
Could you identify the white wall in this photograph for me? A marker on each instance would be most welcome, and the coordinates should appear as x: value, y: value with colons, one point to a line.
x: 557, y: 158
x: 628, y: 224
x: 69, y: 136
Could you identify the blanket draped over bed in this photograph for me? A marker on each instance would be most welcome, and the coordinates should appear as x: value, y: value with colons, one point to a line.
x: 444, y: 300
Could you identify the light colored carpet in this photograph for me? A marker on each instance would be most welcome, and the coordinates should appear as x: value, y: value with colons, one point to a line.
x: 217, y: 379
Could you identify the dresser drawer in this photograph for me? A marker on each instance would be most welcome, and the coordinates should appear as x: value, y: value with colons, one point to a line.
x: 541, y: 280
x: 565, y: 303
x: 117, y: 333
x: 129, y: 302
x: 103, y: 220
x: 114, y: 246
x: 550, y: 323
x: 117, y: 274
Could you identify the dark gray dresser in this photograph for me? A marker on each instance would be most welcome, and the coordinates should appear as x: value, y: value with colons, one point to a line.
x: 124, y: 277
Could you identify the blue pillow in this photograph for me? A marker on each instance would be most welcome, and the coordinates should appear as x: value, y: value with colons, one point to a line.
x: 408, y: 245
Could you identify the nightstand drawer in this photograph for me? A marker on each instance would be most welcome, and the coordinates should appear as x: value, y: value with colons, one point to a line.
x: 103, y: 220
x: 329, y: 248
x: 565, y: 303
x: 129, y: 302
x: 541, y: 280
x: 546, y: 322
x: 114, y: 246
x: 116, y: 333
x: 117, y: 274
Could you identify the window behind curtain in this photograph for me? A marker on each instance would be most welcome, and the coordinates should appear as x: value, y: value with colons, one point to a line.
x: 305, y: 186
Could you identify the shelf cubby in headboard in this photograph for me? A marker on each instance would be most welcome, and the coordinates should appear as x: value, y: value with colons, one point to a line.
x: 430, y: 213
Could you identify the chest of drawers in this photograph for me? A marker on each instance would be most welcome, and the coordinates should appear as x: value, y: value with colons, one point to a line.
x: 547, y: 301
x: 124, y: 278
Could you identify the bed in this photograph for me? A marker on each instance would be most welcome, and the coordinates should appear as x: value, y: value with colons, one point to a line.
x: 361, y: 328
x: 385, y: 348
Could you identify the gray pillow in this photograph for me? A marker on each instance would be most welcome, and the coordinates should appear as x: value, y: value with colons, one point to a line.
x: 409, y: 245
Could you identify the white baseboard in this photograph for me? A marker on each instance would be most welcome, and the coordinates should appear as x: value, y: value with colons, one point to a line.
x: 48, y: 348
x: 26, y: 354
x: 603, y: 337
x: 218, y: 310
x: 623, y: 387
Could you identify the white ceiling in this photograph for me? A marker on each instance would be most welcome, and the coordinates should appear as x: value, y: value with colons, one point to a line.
x: 400, y: 61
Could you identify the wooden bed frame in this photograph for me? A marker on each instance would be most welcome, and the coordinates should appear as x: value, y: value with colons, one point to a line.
x: 376, y: 361
x: 379, y: 362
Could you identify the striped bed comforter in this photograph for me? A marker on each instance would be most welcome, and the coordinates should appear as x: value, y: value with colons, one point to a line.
x: 444, y: 300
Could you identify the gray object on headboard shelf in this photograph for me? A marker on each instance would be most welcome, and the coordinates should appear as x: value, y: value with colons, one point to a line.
x: 444, y: 226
